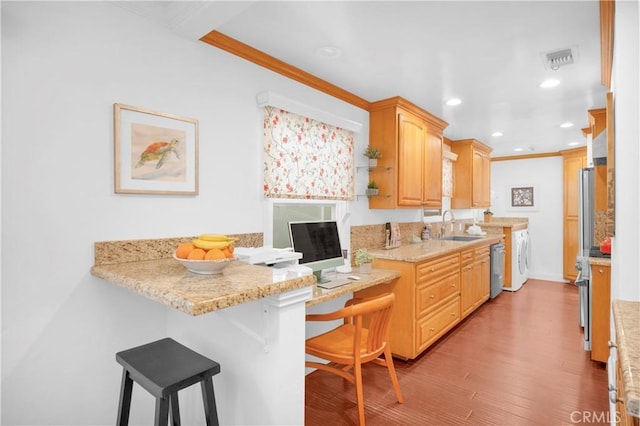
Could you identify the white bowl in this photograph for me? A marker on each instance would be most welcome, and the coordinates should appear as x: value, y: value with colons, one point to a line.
x: 205, y: 267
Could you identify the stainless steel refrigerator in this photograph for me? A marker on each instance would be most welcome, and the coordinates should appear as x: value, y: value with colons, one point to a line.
x: 585, y: 244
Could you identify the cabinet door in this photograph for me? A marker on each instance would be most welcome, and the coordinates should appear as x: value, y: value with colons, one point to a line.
x: 485, y: 280
x: 432, y: 186
x: 600, y: 312
x: 411, y: 141
x: 571, y: 164
x: 481, y: 178
x: 467, y: 293
x: 486, y: 180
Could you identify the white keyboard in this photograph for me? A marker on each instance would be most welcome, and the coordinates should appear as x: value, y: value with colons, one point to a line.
x: 335, y: 282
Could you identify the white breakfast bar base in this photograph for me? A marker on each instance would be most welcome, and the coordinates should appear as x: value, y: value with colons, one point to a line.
x: 260, y: 348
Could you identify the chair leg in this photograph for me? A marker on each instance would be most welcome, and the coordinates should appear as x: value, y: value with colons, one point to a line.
x: 357, y: 374
x: 124, y: 406
x: 392, y: 373
x: 209, y: 399
x: 175, y: 409
x: 162, y: 411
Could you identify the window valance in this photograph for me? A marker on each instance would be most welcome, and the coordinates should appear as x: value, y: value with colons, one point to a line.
x: 306, y: 158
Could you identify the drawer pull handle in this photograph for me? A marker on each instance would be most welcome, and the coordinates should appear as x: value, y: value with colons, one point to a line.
x: 453, y: 314
x: 600, y: 271
x: 432, y: 297
x: 431, y: 329
x: 432, y: 269
x: 611, y: 344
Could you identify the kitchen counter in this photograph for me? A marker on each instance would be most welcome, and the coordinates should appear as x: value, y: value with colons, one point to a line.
x: 432, y: 248
x: 147, y: 268
x: 498, y: 223
x: 374, y: 278
x: 626, y: 316
x: 602, y: 261
x: 168, y: 282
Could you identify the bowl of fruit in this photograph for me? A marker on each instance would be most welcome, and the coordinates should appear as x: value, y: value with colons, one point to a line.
x: 208, y: 254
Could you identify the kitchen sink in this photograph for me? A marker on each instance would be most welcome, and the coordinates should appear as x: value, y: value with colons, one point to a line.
x: 459, y: 238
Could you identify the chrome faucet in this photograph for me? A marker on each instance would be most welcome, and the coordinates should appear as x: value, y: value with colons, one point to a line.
x: 453, y: 219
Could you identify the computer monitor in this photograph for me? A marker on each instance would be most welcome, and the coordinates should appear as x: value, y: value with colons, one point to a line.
x: 319, y: 243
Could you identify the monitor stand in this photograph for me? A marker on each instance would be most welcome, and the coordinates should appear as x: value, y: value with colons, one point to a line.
x: 319, y: 278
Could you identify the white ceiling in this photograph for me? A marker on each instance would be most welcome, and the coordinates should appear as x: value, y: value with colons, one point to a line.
x: 488, y: 54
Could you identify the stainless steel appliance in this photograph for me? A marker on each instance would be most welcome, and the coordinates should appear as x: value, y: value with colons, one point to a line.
x: 585, y: 243
x: 497, y: 269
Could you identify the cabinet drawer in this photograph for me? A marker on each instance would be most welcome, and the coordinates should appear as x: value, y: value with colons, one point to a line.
x: 433, y: 326
x: 431, y: 271
x: 483, y: 251
x: 431, y: 295
x: 466, y: 257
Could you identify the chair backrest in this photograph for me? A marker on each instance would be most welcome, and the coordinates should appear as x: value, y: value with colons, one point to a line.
x: 373, y: 314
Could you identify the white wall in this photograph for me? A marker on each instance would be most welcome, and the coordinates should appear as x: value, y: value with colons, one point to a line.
x: 64, y: 65
x: 625, y: 256
x: 545, y: 218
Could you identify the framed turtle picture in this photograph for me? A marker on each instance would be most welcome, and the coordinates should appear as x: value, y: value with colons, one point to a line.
x: 155, y: 152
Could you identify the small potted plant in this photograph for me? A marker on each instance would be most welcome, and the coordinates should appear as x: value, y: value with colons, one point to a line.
x: 487, y: 215
x: 372, y: 153
x: 372, y: 189
x: 363, y: 260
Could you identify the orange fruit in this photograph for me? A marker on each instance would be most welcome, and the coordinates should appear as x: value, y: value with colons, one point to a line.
x: 184, y: 249
x: 230, y: 248
x: 214, y: 254
x: 196, y: 254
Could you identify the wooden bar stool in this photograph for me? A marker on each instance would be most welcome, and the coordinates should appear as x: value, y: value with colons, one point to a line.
x: 163, y: 368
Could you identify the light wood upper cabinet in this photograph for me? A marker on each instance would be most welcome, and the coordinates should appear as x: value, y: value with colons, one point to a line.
x: 471, y: 175
x: 411, y: 140
x: 573, y: 161
x: 432, y: 186
x: 409, y: 174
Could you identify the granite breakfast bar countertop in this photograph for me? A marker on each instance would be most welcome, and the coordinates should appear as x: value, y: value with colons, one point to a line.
x: 146, y: 267
x: 168, y: 282
x: 626, y: 315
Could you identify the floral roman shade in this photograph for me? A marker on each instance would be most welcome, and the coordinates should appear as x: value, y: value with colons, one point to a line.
x: 305, y: 158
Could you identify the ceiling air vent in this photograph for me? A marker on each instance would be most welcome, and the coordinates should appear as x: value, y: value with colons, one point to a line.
x: 559, y: 58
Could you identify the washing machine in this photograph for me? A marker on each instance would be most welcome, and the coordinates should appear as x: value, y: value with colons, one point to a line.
x: 519, y: 259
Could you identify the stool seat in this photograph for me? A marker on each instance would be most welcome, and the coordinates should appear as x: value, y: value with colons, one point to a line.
x: 163, y: 368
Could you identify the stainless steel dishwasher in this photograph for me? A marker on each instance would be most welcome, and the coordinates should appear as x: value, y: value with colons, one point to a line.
x: 497, y: 269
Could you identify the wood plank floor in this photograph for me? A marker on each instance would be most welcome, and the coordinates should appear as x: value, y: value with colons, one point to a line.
x: 517, y: 360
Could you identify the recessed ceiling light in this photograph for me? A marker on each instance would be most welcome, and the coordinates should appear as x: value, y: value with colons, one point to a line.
x: 573, y: 143
x: 518, y: 149
x: 547, y: 84
x: 454, y: 102
x: 328, y: 52
x: 496, y: 134
x: 566, y: 125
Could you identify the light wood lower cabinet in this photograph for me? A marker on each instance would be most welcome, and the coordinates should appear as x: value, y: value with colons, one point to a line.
x: 429, y: 298
x: 475, y: 279
x: 600, y: 312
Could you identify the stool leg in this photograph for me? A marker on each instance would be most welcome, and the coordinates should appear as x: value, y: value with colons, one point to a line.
x: 209, y: 399
x: 162, y: 411
x: 175, y: 409
x: 124, y: 405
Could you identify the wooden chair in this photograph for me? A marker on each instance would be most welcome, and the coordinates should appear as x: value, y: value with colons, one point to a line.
x: 356, y: 342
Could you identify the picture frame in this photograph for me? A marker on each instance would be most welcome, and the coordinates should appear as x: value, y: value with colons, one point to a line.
x: 155, y: 152
x: 523, y: 197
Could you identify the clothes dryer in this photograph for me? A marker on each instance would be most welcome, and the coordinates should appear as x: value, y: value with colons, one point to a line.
x: 519, y: 259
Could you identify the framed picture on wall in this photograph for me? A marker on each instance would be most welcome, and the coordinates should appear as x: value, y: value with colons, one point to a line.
x: 155, y: 152
x: 523, y: 196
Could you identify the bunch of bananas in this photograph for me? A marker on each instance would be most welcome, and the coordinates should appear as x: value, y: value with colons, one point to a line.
x: 211, y: 241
